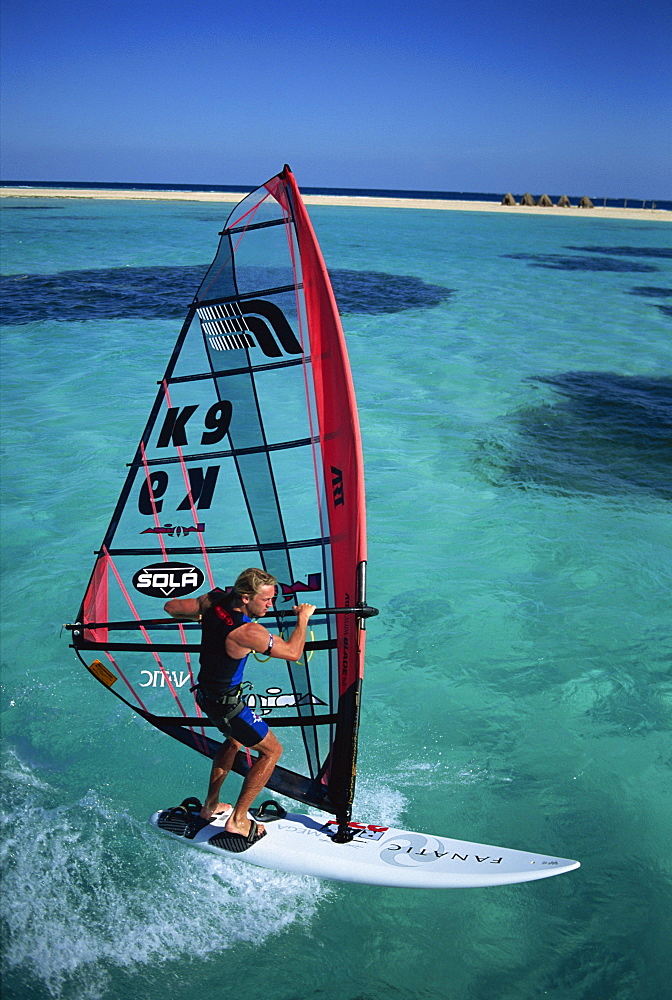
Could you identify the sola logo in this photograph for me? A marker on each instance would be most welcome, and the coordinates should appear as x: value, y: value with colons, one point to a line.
x: 168, y: 579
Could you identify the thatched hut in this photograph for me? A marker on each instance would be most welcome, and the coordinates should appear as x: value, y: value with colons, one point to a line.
x: 586, y: 203
x: 564, y: 202
x: 508, y: 199
x: 545, y: 201
x: 527, y: 199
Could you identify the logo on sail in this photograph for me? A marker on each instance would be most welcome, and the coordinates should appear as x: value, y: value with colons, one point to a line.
x: 230, y: 326
x: 173, y: 529
x: 168, y: 579
x: 290, y: 590
x: 275, y: 697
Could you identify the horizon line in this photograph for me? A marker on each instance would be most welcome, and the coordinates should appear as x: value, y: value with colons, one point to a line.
x: 308, y: 189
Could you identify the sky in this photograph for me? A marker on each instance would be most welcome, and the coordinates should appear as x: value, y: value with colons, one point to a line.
x: 444, y: 95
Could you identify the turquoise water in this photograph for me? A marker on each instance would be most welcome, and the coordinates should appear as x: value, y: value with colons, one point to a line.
x: 513, y: 379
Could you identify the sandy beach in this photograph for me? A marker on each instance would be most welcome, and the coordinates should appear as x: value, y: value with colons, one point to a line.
x: 354, y: 201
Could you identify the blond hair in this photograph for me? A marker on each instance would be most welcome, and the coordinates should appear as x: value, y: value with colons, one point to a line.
x: 251, y: 580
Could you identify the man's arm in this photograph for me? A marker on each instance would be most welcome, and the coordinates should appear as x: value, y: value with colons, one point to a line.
x: 254, y: 637
x: 190, y: 608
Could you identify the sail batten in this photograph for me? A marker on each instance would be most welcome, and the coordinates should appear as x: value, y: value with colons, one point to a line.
x: 232, y: 452
x: 255, y: 225
x: 244, y: 296
x: 237, y: 371
x: 251, y: 455
x: 301, y: 543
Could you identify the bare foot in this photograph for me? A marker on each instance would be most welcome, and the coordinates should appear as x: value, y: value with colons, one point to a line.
x: 242, y: 827
x: 221, y: 807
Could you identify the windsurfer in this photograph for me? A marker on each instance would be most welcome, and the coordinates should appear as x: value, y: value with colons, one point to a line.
x: 228, y: 636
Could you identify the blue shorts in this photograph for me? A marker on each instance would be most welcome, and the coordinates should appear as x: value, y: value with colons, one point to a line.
x: 246, y: 727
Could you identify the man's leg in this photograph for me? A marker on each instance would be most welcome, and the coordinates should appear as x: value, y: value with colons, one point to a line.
x: 221, y: 766
x: 269, y: 750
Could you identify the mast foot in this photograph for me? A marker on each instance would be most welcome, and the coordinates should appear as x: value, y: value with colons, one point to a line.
x: 345, y: 832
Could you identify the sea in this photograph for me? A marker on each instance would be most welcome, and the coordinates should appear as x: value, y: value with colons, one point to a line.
x: 514, y: 383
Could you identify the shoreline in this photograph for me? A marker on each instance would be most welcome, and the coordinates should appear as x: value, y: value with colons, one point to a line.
x: 350, y: 201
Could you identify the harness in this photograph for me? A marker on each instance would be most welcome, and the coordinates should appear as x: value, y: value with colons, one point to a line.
x: 225, y: 706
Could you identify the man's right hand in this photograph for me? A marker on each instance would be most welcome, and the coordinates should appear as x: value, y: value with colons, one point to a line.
x: 304, y: 610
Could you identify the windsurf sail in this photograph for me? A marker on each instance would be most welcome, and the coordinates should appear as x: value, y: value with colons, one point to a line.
x: 251, y: 456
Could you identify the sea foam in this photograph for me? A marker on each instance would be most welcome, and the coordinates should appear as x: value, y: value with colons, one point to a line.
x: 89, y: 888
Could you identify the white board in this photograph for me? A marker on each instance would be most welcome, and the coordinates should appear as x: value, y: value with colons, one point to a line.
x: 377, y: 855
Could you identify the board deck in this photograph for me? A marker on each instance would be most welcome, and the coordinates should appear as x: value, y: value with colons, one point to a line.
x: 376, y: 855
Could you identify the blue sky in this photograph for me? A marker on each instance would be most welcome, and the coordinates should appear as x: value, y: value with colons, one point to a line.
x: 475, y: 95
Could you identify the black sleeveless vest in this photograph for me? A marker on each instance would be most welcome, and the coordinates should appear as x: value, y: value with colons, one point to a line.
x: 219, y: 672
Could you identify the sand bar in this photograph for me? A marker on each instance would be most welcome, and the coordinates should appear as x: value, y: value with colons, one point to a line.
x: 352, y: 201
